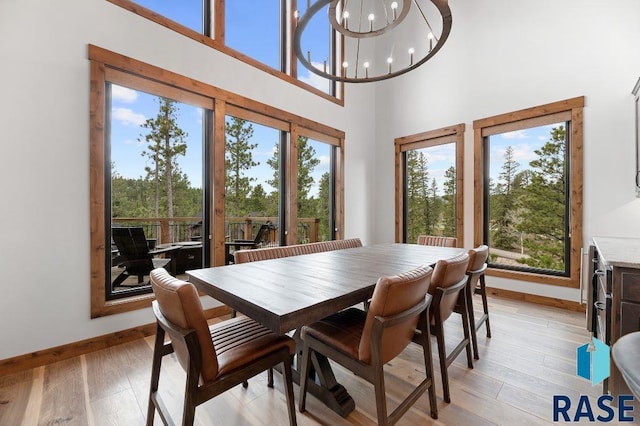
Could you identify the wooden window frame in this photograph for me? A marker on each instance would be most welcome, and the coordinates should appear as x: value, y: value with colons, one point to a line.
x: 572, y: 108
x: 450, y: 134
x: 105, y: 65
x: 217, y: 42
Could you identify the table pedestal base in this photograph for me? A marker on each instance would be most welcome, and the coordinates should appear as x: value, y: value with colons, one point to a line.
x: 324, y: 386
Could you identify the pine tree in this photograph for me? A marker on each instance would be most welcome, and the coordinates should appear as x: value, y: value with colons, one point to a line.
x: 307, y: 162
x: 418, y: 202
x: 544, y: 222
x: 322, y: 211
x: 238, y: 159
x: 449, y: 203
x: 257, y: 202
x: 166, y: 141
x: 503, y: 210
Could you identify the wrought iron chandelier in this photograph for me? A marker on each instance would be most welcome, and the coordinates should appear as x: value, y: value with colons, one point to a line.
x: 380, y: 39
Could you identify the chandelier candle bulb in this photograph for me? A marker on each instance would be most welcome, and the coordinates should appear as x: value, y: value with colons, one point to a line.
x: 430, y: 37
x: 371, y: 18
x: 296, y: 16
x: 394, y: 8
x: 345, y: 19
x: 389, y: 61
x: 366, y: 69
x: 411, y: 51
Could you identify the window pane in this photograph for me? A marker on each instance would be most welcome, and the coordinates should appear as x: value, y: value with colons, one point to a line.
x: 528, y: 198
x: 185, y: 12
x: 431, y: 191
x: 156, y: 187
x: 317, y: 41
x: 254, y: 28
x: 252, y: 184
x: 314, y: 191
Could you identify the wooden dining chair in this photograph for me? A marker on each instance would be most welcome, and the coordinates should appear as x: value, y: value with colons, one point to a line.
x: 448, y: 290
x: 432, y: 240
x: 476, y: 285
x: 364, y: 341
x: 215, y: 358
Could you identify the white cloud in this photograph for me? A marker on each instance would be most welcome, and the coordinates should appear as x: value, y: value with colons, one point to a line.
x: 522, y: 153
x: 123, y: 94
x: 516, y: 134
x: 313, y: 79
x: 325, y: 161
x: 127, y: 117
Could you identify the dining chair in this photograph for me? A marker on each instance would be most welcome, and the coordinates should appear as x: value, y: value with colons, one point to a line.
x: 364, y: 341
x: 476, y: 285
x: 432, y: 240
x: 215, y: 358
x: 448, y: 290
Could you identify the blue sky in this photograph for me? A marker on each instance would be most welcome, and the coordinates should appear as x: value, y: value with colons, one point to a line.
x: 130, y: 108
x: 524, y: 143
x: 245, y: 31
x: 439, y: 159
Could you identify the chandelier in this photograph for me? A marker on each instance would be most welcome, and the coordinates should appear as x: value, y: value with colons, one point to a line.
x: 379, y: 39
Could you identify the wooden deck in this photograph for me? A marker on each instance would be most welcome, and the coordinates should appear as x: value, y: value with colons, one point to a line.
x: 530, y: 358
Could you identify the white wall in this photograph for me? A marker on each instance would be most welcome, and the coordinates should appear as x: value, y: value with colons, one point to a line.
x: 503, y: 55
x: 44, y: 165
x: 506, y: 55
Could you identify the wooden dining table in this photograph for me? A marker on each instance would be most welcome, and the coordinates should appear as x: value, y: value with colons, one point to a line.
x: 285, y: 294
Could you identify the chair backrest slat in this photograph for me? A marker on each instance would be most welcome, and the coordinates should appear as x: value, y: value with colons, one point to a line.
x: 432, y: 240
x: 244, y: 256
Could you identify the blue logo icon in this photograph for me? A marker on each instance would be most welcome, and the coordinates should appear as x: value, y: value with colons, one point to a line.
x: 593, y: 361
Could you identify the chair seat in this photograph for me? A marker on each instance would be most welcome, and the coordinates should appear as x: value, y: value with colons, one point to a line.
x: 240, y: 341
x: 342, y: 330
x: 625, y: 354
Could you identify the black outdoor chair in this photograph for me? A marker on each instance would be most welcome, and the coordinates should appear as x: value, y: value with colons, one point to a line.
x: 262, y: 238
x: 134, y: 254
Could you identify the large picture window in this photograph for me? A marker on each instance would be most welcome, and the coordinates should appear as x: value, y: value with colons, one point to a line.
x: 155, y: 147
x: 179, y: 178
x: 429, y: 197
x: 529, y: 172
x: 258, y: 32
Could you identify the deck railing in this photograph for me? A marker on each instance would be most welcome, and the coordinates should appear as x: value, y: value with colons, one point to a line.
x: 171, y: 230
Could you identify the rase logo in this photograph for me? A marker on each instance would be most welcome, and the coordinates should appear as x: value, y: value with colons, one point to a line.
x: 593, y: 364
x: 593, y: 361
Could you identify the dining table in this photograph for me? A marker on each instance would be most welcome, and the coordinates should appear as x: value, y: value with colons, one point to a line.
x: 287, y: 293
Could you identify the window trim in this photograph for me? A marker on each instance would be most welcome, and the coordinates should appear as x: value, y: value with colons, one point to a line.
x: 218, y: 44
x: 482, y: 128
x: 427, y: 139
x: 103, y: 63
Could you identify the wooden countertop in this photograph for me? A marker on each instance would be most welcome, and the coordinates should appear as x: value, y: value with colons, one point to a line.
x: 619, y: 251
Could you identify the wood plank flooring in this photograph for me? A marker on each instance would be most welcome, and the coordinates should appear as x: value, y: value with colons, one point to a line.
x: 530, y: 358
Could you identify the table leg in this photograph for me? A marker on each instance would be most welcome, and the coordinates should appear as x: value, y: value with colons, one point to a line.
x: 323, y: 384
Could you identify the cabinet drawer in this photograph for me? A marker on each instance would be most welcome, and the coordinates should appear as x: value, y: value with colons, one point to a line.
x: 629, y: 317
x: 631, y: 286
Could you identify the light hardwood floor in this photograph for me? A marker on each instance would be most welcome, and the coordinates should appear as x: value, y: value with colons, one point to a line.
x: 530, y: 358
